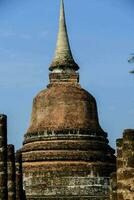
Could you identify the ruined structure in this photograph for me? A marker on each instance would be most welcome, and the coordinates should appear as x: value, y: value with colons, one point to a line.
x: 3, y: 157
x: 122, y: 182
x: 11, y: 172
x: 113, y: 186
x: 9, y: 184
x: 20, y: 194
x: 125, y: 166
x: 65, y: 153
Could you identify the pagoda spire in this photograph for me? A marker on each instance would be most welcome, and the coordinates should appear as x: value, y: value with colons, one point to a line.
x: 63, y: 58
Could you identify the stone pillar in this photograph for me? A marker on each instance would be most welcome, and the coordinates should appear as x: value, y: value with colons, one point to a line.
x: 119, y: 164
x: 11, y: 172
x: 113, y: 187
x: 3, y: 157
x: 19, y: 185
x: 128, y: 165
x: 125, y: 166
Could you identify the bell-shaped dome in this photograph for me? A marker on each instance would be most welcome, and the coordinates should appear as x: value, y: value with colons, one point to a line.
x: 64, y: 106
x: 65, y: 145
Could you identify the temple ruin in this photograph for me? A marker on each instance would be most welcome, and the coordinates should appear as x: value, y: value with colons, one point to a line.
x: 65, y: 154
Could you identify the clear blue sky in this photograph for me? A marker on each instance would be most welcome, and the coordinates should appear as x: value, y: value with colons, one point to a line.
x: 102, y: 37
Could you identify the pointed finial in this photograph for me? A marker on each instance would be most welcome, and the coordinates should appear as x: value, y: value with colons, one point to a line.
x: 63, y: 58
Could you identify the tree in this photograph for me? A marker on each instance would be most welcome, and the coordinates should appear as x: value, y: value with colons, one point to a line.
x: 131, y: 60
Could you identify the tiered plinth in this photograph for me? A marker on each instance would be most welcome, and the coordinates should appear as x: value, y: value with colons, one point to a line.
x: 73, y: 165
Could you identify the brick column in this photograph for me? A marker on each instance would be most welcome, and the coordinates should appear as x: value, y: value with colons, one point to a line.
x: 125, y: 166
x: 11, y: 172
x: 128, y: 165
x: 19, y: 185
x: 113, y: 186
x: 119, y: 164
x: 3, y: 157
